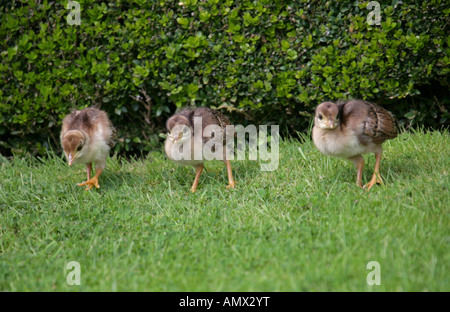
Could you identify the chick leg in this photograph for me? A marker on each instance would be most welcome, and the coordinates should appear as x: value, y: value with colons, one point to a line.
x: 231, y: 182
x: 376, y: 178
x: 359, y: 163
x: 92, y: 182
x: 88, y: 170
x: 198, y: 172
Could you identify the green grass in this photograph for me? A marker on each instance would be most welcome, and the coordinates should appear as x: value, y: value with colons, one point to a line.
x: 304, y: 227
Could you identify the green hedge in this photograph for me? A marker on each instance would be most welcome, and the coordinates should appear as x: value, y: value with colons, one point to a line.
x: 263, y: 61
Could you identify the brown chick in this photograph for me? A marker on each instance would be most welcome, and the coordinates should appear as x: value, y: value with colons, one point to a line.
x: 350, y: 129
x: 87, y: 137
x: 182, y: 128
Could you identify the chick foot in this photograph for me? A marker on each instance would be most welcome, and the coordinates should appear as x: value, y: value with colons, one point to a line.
x: 231, y: 184
x: 376, y: 179
x: 91, y: 182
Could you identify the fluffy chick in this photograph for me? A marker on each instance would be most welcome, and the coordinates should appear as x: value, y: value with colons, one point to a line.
x: 181, y: 130
x: 87, y: 137
x: 350, y: 129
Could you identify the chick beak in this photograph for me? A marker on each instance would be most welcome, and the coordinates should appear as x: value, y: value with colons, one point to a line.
x: 176, y: 139
x: 330, y: 124
x: 71, y: 159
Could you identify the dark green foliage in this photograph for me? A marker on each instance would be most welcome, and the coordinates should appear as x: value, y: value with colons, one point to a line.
x: 263, y: 61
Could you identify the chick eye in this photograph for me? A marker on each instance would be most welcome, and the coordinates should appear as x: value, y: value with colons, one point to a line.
x: 320, y: 117
x: 78, y: 148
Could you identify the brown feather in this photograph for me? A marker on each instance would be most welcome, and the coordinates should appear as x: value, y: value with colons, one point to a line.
x: 373, y: 123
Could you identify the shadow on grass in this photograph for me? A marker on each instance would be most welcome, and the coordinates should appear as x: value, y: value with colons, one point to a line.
x: 117, y: 180
x: 214, y: 173
x: 244, y: 172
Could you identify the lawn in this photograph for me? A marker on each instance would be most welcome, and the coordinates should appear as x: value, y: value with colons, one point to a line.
x: 304, y: 227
